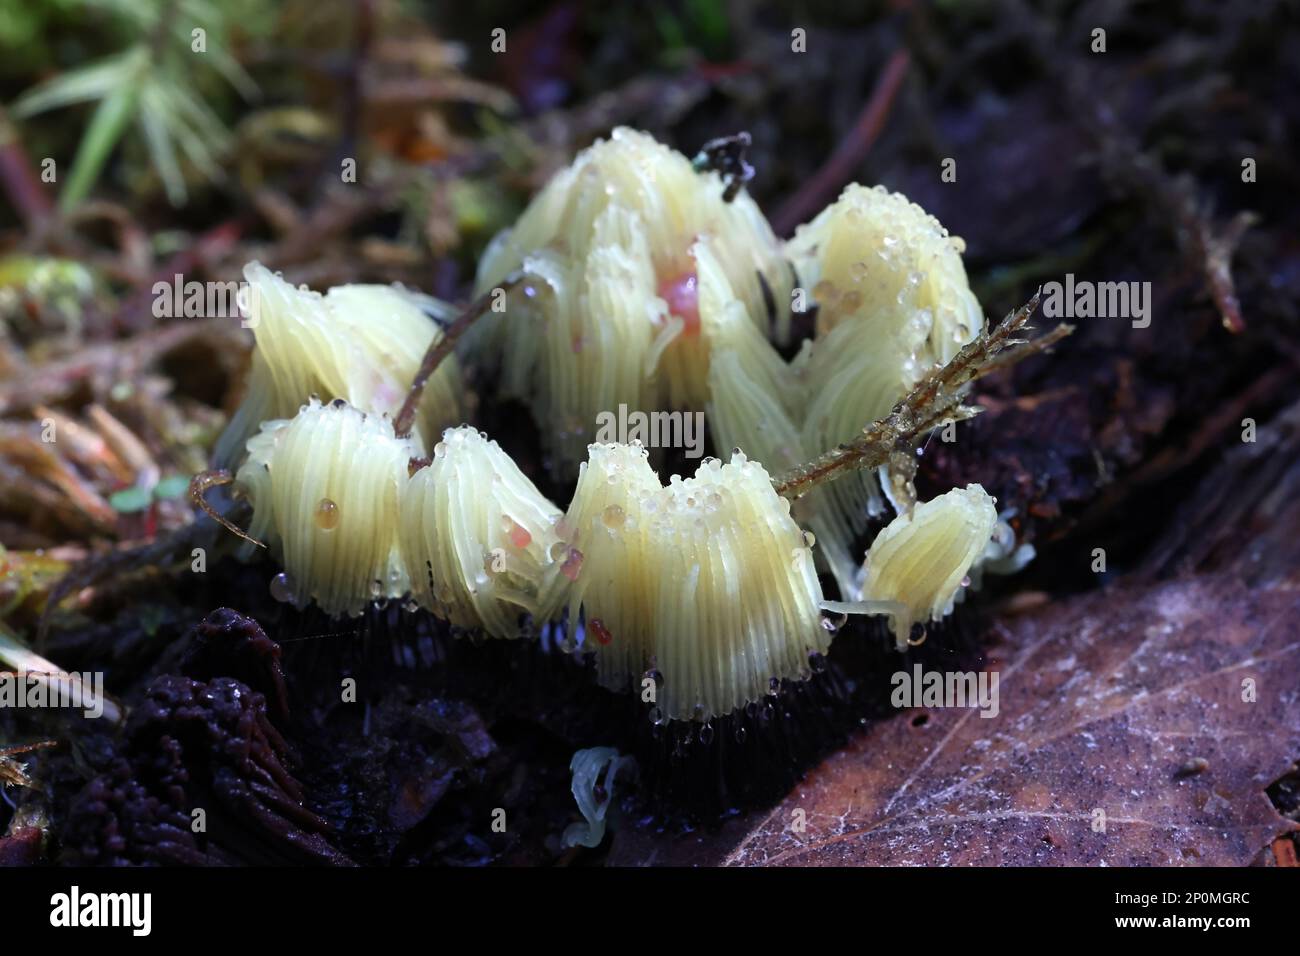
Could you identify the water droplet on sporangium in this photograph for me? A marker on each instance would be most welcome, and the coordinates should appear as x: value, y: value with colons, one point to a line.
x: 327, y: 515
x: 599, y: 631
x: 282, y: 588
x: 681, y: 293
x: 519, y: 536
x: 809, y: 539
x: 572, y: 564
x: 613, y: 517
x: 559, y: 551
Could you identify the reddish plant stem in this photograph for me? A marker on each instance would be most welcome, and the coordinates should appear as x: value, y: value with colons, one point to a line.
x: 839, y: 169
x: 21, y: 184
x: 443, y: 346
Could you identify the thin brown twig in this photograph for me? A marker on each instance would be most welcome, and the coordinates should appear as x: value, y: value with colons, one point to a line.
x: 935, y: 399
x: 200, y: 485
x: 1142, y: 174
x: 27, y: 748
x: 443, y: 345
x: 125, y: 358
x: 19, y: 180
x: 839, y: 169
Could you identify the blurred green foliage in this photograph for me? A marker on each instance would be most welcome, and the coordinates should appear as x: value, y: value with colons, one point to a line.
x: 164, y: 66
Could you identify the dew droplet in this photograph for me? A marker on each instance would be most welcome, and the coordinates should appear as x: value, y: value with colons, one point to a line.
x: 572, y: 566
x: 327, y: 515
x: 657, y: 716
x: 440, y: 450
x: 817, y: 662
x: 282, y: 588
x: 825, y: 291
x: 809, y: 539
x: 599, y: 631
x: 613, y: 517
x: 706, y: 734
x: 520, y: 537
x: 774, y: 686
x: 559, y: 551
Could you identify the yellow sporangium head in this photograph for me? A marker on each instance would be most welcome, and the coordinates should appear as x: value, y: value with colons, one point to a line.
x: 873, y: 255
x: 919, y: 561
x: 477, y: 536
x: 708, y: 580
x: 360, y: 343
x: 893, y: 303
x: 615, y: 308
x: 325, y: 489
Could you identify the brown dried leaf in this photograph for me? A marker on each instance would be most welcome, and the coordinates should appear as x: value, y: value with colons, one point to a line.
x: 1110, y: 701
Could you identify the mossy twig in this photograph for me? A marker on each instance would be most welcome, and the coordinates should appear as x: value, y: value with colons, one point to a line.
x: 936, y: 399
